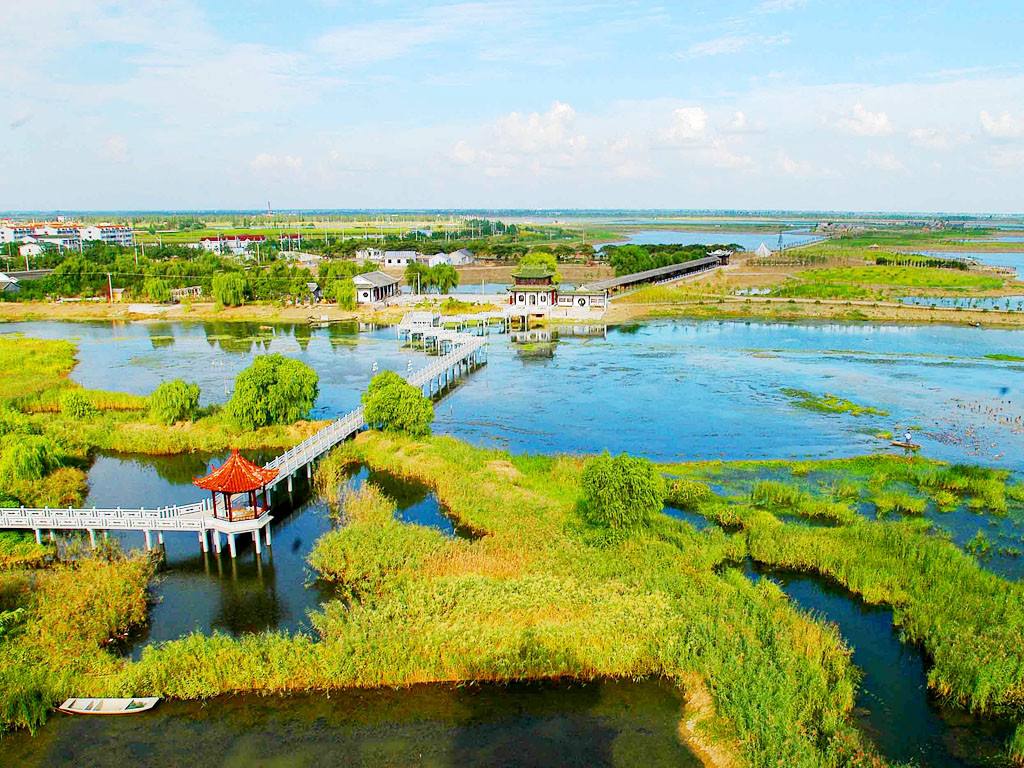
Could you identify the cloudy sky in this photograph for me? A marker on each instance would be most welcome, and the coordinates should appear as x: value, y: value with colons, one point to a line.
x: 812, y: 104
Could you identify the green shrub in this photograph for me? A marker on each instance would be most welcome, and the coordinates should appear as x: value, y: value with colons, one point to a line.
x: 393, y: 405
x: 621, y: 493
x: 688, y: 494
x: 229, y: 289
x: 27, y: 457
x: 157, y: 290
x: 174, y: 401
x: 979, y: 545
x: 273, y: 390
x: 75, y: 404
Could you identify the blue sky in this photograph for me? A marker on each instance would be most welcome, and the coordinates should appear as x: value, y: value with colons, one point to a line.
x: 328, y: 103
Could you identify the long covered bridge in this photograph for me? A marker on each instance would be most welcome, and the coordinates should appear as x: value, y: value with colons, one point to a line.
x: 658, y: 274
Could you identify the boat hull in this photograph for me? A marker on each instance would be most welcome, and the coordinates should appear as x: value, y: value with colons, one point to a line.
x: 98, y: 706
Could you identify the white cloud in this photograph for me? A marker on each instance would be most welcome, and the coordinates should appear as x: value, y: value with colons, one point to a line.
x: 540, y: 132
x: 115, y: 149
x: 779, y: 6
x: 688, y: 124
x: 1003, y: 126
x: 270, y: 164
x: 885, y: 161
x: 861, y: 122
x: 727, y: 44
x: 1006, y: 158
x: 937, y: 138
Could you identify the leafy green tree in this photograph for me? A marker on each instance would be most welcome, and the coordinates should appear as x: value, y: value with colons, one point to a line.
x: 174, y: 401
x: 621, y: 493
x: 417, y: 276
x: 75, y: 404
x: 28, y: 457
x: 541, y: 259
x: 229, y: 289
x: 444, y: 277
x: 343, y: 291
x: 394, y: 405
x: 273, y: 390
x: 157, y: 290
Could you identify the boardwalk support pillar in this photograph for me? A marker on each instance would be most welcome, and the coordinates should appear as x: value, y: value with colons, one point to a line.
x: 216, y: 541
x: 149, y: 540
x: 266, y: 533
x: 203, y: 541
x: 256, y: 541
x: 39, y: 536
x: 92, y: 538
x: 231, y: 546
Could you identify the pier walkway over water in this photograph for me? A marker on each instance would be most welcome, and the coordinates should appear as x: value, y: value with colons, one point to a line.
x: 459, y: 354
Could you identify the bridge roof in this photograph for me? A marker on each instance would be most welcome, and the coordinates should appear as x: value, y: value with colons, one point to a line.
x: 236, y: 475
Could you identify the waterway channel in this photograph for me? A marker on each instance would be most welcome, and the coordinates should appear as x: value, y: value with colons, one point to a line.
x: 697, y: 390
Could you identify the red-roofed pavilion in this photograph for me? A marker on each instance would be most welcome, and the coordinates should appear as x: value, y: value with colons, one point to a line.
x: 235, y: 476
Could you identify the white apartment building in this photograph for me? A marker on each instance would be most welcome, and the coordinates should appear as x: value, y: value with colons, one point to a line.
x: 109, y: 234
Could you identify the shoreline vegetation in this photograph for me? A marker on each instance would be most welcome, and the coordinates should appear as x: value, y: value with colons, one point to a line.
x: 541, y: 592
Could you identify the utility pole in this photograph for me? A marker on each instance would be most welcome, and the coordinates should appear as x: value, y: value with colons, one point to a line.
x: 110, y: 290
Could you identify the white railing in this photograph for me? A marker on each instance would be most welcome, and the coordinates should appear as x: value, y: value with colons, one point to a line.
x: 178, y: 517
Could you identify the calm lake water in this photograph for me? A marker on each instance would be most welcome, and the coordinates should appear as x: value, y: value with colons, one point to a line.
x: 747, y: 240
x: 1013, y: 260
x: 894, y: 707
x: 698, y: 390
x: 539, y: 724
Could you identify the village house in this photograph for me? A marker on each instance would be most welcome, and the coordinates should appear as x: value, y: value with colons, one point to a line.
x: 237, y: 245
x: 374, y: 287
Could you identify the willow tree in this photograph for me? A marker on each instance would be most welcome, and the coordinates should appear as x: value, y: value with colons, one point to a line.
x: 273, y: 390
x: 392, y: 404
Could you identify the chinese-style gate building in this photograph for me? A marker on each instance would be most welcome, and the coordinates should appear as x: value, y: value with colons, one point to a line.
x: 238, y: 476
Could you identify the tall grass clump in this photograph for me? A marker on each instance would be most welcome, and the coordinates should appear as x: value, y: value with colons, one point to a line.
x: 372, y: 548
x: 898, y: 502
x: 74, y: 404
x: 776, y: 496
x: 27, y: 457
x: 688, y: 494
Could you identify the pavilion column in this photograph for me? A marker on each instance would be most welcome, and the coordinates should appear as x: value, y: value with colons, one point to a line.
x: 266, y: 533
x: 231, y: 546
x: 256, y: 541
x: 216, y: 540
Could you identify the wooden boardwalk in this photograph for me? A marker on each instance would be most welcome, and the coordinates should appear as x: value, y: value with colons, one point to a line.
x: 462, y: 353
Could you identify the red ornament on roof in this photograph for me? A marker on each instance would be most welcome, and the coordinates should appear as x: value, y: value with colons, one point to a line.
x: 236, y: 475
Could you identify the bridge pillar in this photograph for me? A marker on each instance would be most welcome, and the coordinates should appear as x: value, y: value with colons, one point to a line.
x: 289, y: 484
x: 231, y: 546
x: 266, y: 533
x: 216, y: 541
x: 39, y: 536
x: 160, y: 537
x: 92, y: 538
x: 309, y: 471
x: 202, y: 540
x: 149, y: 540
x: 52, y: 536
x: 256, y: 541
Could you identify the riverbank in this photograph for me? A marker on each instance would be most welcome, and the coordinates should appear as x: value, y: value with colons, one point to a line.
x: 794, y: 310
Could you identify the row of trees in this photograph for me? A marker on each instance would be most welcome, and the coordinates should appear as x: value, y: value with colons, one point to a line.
x: 627, y: 259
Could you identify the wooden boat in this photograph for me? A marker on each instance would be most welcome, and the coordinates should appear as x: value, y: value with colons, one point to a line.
x: 108, y: 706
x: 907, y: 446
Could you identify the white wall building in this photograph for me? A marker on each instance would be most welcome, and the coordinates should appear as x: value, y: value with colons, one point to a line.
x: 234, y: 244
x: 373, y: 287
x: 109, y: 234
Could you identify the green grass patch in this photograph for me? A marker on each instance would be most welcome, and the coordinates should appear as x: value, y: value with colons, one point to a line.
x: 829, y: 403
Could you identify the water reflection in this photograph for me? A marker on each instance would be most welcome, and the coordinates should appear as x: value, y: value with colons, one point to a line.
x: 203, y: 592
x: 894, y: 705
x: 527, y: 724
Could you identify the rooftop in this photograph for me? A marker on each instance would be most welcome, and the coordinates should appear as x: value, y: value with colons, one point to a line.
x: 533, y: 271
x: 377, y: 279
x: 236, y: 475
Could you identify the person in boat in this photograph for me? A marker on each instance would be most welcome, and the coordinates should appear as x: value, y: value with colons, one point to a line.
x: 908, y: 438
